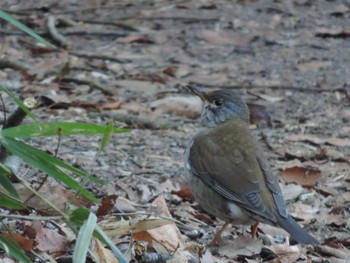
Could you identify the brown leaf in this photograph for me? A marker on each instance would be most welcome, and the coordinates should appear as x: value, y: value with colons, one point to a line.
x: 330, y: 140
x: 314, y: 65
x: 112, y: 105
x: 287, y: 253
x: 104, y: 255
x: 107, y: 205
x: 55, y: 193
x: 50, y: 240
x: 242, y: 245
x: 185, y: 192
x: 25, y: 243
x: 135, y: 39
x: 169, y: 71
x: 306, y: 177
x: 304, y: 212
x: 168, y: 235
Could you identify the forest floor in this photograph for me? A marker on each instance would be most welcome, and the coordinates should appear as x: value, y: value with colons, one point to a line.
x: 128, y: 61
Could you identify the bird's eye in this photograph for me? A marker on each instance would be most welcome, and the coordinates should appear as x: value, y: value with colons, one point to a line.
x: 218, y: 102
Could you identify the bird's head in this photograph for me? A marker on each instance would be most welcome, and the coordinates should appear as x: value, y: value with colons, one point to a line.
x: 220, y: 106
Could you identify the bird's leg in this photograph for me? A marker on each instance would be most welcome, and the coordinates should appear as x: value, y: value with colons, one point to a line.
x: 217, y: 235
x: 254, y: 229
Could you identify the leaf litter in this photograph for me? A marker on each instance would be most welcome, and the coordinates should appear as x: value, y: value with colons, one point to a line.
x: 132, y: 70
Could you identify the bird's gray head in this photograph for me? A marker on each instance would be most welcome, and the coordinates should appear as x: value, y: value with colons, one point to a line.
x: 220, y: 106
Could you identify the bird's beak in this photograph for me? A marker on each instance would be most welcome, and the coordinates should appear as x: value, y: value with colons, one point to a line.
x: 197, y: 91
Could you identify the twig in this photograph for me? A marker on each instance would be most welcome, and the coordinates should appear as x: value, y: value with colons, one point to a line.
x: 247, y: 86
x: 139, y: 121
x: 57, y: 37
x: 332, y: 252
x: 106, y: 33
x: 69, y: 33
x: 97, y: 56
x: 41, y: 218
x: 111, y: 23
x: 5, y: 63
x: 90, y: 83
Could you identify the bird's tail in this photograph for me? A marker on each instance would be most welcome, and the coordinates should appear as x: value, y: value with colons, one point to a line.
x: 296, y: 231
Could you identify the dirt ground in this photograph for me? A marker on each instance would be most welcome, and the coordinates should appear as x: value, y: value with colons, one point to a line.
x: 128, y: 61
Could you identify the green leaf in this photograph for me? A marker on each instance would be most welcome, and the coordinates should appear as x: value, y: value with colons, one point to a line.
x: 10, y: 202
x: 5, y: 181
x: 79, y: 215
x: 18, y: 102
x: 43, y: 162
x: 51, y: 159
x: 24, y: 28
x: 106, y: 137
x: 84, y: 238
x: 13, y: 249
x: 58, y: 128
x: 110, y: 243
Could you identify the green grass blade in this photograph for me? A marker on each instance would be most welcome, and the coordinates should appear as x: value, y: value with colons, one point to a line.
x: 106, y: 137
x: 10, y: 202
x: 13, y: 249
x: 18, y: 102
x: 24, y: 28
x: 55, y: 128
x: 5, y: 181
x: 37, y: 159
x: 84, y: 238
x: 57, y: 162
x: 110, y: 243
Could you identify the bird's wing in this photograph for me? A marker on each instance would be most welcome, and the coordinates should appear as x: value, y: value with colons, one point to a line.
x: 231, y: 164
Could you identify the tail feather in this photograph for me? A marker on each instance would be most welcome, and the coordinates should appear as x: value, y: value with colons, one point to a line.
x: 296, y: 231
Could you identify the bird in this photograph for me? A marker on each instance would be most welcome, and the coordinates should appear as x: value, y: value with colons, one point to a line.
x: 228, y: 172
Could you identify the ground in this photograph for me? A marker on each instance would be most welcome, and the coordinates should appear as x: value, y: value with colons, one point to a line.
x: 129, y: 61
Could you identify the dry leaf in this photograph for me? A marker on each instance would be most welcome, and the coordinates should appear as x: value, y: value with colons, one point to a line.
x: 306, y: 177
x: 55, y: 193
x: 314, y: 65
x: 242, y: 245
x: 287, y: 253
x: 305, y: 212
x: 107, y: 205
x: 188, y: 106
x: 25, y: 243
x: 123, y: 227
x: 104, y: 255
x: 291, y: 191
x: 133, y: 39
x: 168, y: 235
x: 49, y: 240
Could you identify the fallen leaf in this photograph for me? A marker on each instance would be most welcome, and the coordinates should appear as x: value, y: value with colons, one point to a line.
x: 242, y: 245
x: 291, y: 191
x: 168, y: 235
x: 306, y: 177
x: 49, y: 240
x: 188, y: 106
x: 330, y: 140
x: 304, y: 212
x: 59, y: 196
x: 169, y: 71
x: 112, y: 105
x: 185, y: 192
x: 107, y: 205
x: 135, y: 39
x: 314, y: 65
x: 103, y: 254
x: 25, y: 243
x: 287, y: 253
